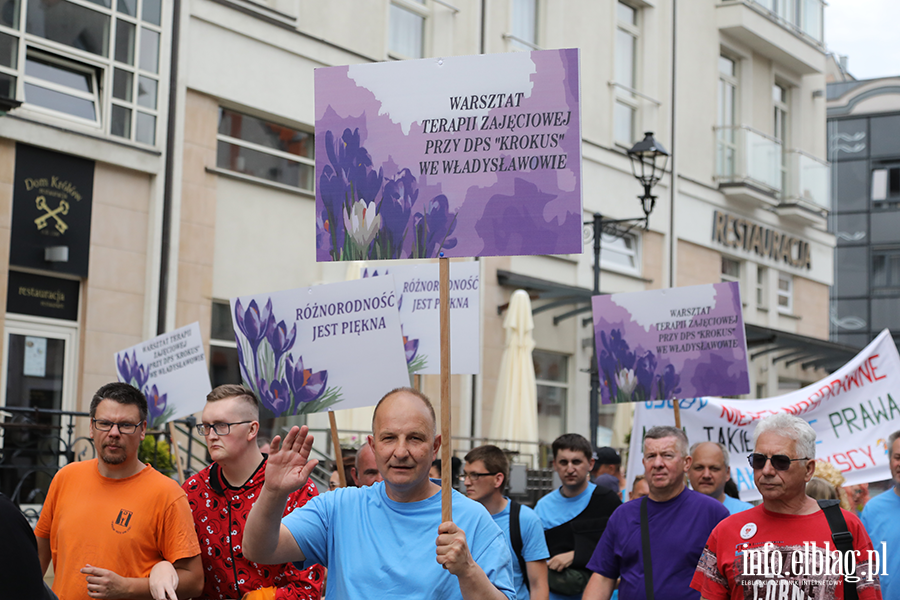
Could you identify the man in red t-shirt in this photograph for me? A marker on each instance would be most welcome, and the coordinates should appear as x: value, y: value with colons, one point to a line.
x: 778, y: 549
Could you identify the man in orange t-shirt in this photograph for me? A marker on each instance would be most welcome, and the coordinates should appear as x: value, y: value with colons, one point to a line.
x: 114, y: 527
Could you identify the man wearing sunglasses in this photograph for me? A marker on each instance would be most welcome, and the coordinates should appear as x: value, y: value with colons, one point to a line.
x: 221, y: 496
x: 777, y: 549
x: 113, y: 526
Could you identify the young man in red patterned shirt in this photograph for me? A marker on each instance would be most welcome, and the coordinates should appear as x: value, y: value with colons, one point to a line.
x: 221, y: 497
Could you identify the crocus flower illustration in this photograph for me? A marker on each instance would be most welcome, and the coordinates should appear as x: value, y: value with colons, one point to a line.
x: 644, y: 371
x: 305, y: 385
x: 397, y: 200
x: 411, y: 347
x: 434, y: 227
x: 626, y: 382
x: 323, y: 235
x: 123, y: 366
x: 156, y: 402
x: 618, y: 349
x: 334, y: 192
x: 280, y: 340
x: 274, y: 396
x: 362, y: 225
x: 131, y: 371
x: 668, y: 383
x: 253, y: 322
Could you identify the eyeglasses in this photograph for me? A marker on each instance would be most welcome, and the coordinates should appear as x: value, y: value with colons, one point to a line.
x: 124, y: 428
x: 475, y: 476
x: 779, y: 461
x: 220, y: 428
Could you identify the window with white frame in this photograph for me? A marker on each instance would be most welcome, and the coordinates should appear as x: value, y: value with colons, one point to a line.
x: 781, y: 127
x: 266, y: 150
x: 886, y: 183
x: 620, y: 253
x: 726, y: 142
x: 627, y: 34
x: 762, y: 288
x: 524, y: 24
x: 407, y: 28
x: 88, y: 61
x: 551, y: 371
x: 785, y: 293
x: 731, y: 269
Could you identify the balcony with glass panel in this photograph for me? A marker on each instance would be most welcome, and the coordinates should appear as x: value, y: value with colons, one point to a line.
x: 807, y: 196
x: 790, y: 32
x: 748, y: 164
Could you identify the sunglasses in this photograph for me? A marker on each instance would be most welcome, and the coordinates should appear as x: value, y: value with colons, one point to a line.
x: 779, y: 461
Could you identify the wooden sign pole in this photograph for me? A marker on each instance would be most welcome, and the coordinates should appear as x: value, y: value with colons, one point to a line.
x: 338, y: 456
x: 446, y: 462
x: 677, y: 414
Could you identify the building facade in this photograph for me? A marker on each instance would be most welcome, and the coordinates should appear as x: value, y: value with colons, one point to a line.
x: 196, y: 120
x: 863, y: 123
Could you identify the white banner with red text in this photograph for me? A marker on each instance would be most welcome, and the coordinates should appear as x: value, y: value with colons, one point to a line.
x: 853, y: 411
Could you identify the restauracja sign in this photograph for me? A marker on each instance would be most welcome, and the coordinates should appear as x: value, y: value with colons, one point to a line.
x: 736, y: 232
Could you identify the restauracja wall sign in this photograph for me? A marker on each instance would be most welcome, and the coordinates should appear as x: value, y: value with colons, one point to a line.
x: 737, y: 232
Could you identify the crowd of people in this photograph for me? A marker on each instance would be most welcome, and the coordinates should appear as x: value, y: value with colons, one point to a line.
x: 253, y: 525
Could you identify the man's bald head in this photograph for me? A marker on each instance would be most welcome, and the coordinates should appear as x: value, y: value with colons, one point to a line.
x: 413, y: 392
x: 366, y: 470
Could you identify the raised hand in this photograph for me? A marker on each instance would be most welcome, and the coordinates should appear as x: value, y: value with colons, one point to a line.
x: 289, y: 465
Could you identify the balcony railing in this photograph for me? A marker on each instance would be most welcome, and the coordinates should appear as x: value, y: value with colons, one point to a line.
x: 809, y: 180
x: 744, y: 155
x: 803, y: 16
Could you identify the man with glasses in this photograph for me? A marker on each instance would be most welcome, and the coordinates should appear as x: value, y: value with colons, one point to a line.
x: 113, y: 526
x: 677, y: 522
x: 574, y: 516
x: 778, y: 549
x: 221, y: 496
x: 485, y: 474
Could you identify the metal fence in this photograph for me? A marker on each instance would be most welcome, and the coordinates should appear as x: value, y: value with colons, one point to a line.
x: 35, y: 443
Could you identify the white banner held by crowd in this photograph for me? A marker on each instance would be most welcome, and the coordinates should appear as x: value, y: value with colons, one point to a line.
x: 853, y: 411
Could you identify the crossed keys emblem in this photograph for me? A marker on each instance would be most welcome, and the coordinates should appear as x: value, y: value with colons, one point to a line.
x: 41, y: 221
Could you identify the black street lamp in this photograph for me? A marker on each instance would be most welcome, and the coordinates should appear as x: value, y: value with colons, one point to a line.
x: 648, y: 163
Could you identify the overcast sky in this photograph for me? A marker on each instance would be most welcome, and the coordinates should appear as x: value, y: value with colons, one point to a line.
x: 866, y: 32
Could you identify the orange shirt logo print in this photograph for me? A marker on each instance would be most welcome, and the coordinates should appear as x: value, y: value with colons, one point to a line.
x: 122, y: 522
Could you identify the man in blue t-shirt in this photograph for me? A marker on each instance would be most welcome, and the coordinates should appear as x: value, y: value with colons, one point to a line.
x: 485, y: 473
x: 710, y: 471
x: 881, y: 518
x: 574, y: 516
x: 379, y: 541
x: 679, y: 522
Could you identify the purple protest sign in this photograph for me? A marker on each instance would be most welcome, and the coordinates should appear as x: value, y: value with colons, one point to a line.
x: 670, y: 344
x: 457, y: 156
